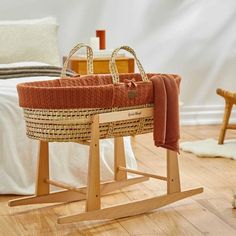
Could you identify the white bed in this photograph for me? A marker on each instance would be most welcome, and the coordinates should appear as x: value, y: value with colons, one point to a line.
x: 36, y: 40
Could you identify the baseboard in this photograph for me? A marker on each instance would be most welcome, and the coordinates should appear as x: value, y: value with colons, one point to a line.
x: 203, y: 115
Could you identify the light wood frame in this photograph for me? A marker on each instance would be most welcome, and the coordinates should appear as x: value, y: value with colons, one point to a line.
x: 94, y: 190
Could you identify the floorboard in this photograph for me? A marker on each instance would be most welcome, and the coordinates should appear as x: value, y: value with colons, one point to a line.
x: 209, y: 213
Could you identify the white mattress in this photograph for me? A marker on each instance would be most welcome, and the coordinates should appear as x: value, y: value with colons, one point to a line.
x: 68, y: 161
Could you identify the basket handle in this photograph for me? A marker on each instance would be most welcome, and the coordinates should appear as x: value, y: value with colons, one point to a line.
x: 113, y: 67
x: 89, y: 58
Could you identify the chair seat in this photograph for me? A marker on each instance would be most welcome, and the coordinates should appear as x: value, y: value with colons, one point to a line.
x: 230, y: 96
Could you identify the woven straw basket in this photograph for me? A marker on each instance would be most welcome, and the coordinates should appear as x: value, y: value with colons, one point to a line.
x: 61, y: 110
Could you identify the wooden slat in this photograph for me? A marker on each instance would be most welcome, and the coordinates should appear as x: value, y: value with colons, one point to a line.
x: 60, y: 196
x: 113, y: 186
x: 142, y: 173
x: 205, y: 220
x: 173, y: 181
x: 231, y: 126
x: 83, y: 142
x: 42, y: 173
x: 60, y: 184
x: 93, y: 199
x: 74, y: 194
x: 129, y: 209
x: 119, y: 159
x: 125, y: 115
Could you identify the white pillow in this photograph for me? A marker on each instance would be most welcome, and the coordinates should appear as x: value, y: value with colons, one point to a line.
x: 29, y: 40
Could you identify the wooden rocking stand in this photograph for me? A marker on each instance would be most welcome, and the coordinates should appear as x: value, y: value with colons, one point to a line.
x: 92, y: 193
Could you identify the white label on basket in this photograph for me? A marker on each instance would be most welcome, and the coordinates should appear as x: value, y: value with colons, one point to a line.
x: 134, y: 113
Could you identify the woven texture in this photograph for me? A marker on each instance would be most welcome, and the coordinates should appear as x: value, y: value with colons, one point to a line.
x: 51, y: 124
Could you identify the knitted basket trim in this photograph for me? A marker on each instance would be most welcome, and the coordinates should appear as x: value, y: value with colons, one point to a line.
x: 90, y: 91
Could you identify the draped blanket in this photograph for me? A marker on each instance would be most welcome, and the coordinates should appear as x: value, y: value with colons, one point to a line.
x: 166, y: 111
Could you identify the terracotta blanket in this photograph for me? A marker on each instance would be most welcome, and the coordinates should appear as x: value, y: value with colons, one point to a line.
x: 166, y: 112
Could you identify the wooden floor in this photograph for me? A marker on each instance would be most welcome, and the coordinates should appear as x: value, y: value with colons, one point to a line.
x: 209, y: 213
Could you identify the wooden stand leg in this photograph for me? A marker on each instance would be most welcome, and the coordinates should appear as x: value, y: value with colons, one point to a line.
x: 42, y: 175
x: 119, y: 159
x: 42, y: 188
x: 93, y: 201
x: 228, y: 109
x: 173, y: 181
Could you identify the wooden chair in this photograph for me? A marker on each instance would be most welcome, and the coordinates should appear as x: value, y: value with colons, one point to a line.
x: 230, y: 100
x: 94, y: 189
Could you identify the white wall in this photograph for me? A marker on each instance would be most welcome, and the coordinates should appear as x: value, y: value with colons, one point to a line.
x: 196, y: 39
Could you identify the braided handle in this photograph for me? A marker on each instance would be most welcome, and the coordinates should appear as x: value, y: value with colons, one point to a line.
x: 113, y: 67
x: 89, y: 59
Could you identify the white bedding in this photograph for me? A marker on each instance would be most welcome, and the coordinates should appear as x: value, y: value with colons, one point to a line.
x: 68, y: 161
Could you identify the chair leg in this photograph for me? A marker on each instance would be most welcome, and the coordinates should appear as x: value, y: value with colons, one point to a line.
x: 227, y: 112
x: 93, y: 199
x: 173, y: 181
x: 119, y: 159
